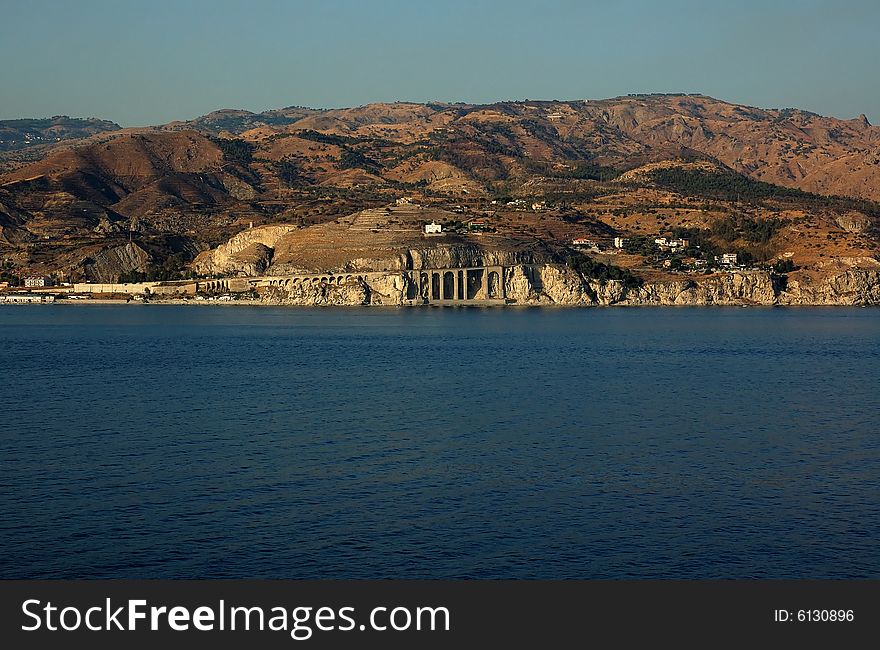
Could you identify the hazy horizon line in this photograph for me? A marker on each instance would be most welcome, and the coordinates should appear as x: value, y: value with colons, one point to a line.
x: 122, y: 125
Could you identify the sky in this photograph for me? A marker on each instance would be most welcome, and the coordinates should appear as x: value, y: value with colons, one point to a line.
x: 140, y: 62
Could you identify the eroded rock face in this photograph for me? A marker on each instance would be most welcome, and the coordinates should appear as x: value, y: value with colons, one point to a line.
x: 557, y: 285
x: 238, y: 188
x: 553, y: 284
x: 250, y: 261
x: 560, y: 285
x: 853, y: 222
x: 852, y: 287
x: 389, y: 289
x: 247, y: 253
x: 738, y: 288
x: 547, y: 285
x: 109, y: 264
x: 352, y: 293
x: 520, y: 286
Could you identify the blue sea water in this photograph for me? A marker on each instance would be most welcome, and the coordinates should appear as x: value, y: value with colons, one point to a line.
x: 206, y: 442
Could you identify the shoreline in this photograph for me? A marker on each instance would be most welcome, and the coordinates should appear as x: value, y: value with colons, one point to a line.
x: 550, y: 285
x: 518, y: 306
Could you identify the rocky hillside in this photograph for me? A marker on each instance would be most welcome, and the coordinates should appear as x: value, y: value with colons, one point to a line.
x: 516, y: 180
x: 405, y: 142
x: 171, y: 193
x: 560, y: 286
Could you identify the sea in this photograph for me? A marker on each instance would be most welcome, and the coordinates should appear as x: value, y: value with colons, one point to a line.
x: 181, y: 441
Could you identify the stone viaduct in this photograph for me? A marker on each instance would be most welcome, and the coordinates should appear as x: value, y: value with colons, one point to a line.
x: 451, y: 285
x: 472, y: 284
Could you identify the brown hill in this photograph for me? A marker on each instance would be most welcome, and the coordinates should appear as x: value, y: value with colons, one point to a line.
x: 145, y: 186
x: 788, y: 147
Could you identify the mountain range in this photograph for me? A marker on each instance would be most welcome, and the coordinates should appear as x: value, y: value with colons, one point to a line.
x: 87, y: 199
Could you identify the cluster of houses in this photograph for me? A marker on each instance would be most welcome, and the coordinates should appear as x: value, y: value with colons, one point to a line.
x: 594, y: 246
x: 667, y: 244
x: 523, y: 204
x: 8, y: 296
x: 480, y: 224
x: 586, y: 244
x: 582, y: 242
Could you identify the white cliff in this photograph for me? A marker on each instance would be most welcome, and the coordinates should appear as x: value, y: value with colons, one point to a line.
x: 247, y: 253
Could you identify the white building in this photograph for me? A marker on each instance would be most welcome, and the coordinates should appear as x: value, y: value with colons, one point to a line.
x: 619, y: 242
x: 38, y: 281
x: 728, y: 259
x: 663, y: 242
x: 433, y: 228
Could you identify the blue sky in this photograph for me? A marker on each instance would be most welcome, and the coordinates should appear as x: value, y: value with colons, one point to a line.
x: 149, y: 62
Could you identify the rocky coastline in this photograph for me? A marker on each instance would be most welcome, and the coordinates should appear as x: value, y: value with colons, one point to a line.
x: 535, y: 277
x: 559, y: 285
